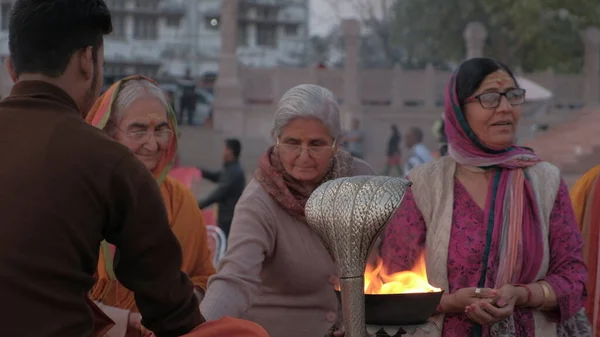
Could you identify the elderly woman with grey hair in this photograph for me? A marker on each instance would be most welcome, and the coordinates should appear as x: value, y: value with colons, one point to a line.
x: 135, y: 112
x: 276, y: 271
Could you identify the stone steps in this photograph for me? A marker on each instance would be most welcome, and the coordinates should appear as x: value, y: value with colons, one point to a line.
x: 203, y: 147
x: 573, y: 146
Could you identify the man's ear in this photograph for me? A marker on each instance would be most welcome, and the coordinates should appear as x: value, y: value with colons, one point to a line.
x: 10, y: 67
x: 85, y: 59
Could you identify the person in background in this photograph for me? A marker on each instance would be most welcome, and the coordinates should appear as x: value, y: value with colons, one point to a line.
x: 276, y: 271
x: 65, y: 186
x: 418, y: 153
x: 585, y: 196
x: 136, y: 113
x: 354, y: 140
x: 439, y: 133
x: 393, y: 153
x: 231, y: 181
x: 187, y: 101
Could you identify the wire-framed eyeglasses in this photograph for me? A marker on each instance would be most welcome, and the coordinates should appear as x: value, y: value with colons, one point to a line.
x: 314, y: 151
x: 162, y: 135
x: 491, y: 100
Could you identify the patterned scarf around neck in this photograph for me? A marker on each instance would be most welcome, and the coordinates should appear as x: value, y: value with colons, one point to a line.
x: 290, y: 193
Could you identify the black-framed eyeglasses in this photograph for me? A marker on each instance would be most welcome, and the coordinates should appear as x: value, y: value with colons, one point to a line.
x: 491, y: 100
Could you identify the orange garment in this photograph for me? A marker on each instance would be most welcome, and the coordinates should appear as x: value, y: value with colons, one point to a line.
x: 580, y: 192
x: 187, y: 223
x: 185, y: 218
x: 228, y: 327
x: 585, y: 196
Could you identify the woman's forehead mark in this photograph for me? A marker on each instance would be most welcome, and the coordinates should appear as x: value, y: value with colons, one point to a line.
x: 501, y: 79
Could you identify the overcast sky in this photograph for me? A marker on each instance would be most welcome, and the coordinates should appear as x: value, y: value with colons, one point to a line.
x: 324, y: 15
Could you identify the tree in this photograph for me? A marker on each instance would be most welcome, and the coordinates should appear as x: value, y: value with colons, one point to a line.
x: 377, y: 47
x: 533, y: 34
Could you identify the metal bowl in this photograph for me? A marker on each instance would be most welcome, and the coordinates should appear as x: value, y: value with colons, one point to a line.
x: 399, y: 309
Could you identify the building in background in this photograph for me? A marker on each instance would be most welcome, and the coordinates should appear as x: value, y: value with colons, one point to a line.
x: 163, y: 38
x: 270, y: 32
x: 142, y: 30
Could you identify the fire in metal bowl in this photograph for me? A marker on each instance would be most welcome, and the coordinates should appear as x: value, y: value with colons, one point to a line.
x: 400, y: 309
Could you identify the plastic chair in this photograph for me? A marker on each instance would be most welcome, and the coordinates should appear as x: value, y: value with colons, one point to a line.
x: 186, y: 175
x: 217, y: 242
x: 209, y: 216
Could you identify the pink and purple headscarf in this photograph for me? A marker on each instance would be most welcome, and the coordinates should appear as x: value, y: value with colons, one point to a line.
x: 512, y: 212
x: 467, y: 149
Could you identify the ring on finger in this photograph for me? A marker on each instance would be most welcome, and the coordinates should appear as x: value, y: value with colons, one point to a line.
x: 477, y: 292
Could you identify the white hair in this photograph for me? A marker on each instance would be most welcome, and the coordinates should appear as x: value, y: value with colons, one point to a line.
x: 131, y: 91
x: 308, y: 101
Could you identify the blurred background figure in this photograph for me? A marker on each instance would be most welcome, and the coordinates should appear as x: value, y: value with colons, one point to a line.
x: 187, y: 105
x: 394, y: 155
x: 418, y: 153
x: 230, y: 181
x: 354, y: 140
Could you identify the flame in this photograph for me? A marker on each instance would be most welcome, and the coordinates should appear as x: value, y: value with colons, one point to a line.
x: 378, y: 281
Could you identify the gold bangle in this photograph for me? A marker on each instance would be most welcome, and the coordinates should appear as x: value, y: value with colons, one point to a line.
x: 546, y: 292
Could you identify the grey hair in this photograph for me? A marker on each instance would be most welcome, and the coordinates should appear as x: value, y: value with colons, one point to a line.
x: 308, y: 101
x: 131, y: 91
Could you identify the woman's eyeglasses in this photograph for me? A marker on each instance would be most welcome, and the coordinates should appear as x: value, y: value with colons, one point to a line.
x: 314, y: 151
x: 491, y: 100
x: 140, y: 136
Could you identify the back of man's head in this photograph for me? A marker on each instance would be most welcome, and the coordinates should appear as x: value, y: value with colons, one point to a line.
x: 235, y: 146
x: 44, y: 34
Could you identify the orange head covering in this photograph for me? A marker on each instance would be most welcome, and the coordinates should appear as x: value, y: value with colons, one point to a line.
x: 585, y: 196
x: 99, y: 116
x: 101, y: 113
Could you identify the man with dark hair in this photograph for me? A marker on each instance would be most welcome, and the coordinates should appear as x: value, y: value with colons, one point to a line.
x: 65, y: 187
x: 231, y: 182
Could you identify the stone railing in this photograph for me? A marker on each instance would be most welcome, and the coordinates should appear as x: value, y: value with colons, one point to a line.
x: 397, y: 88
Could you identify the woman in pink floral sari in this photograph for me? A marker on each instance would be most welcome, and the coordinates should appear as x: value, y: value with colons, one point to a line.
x: 494, y: 220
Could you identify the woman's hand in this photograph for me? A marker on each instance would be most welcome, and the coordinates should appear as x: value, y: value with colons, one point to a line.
x: 462, y: 298
x: 135, y: 321
x: 336, y: 332
x: 490, y: 312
